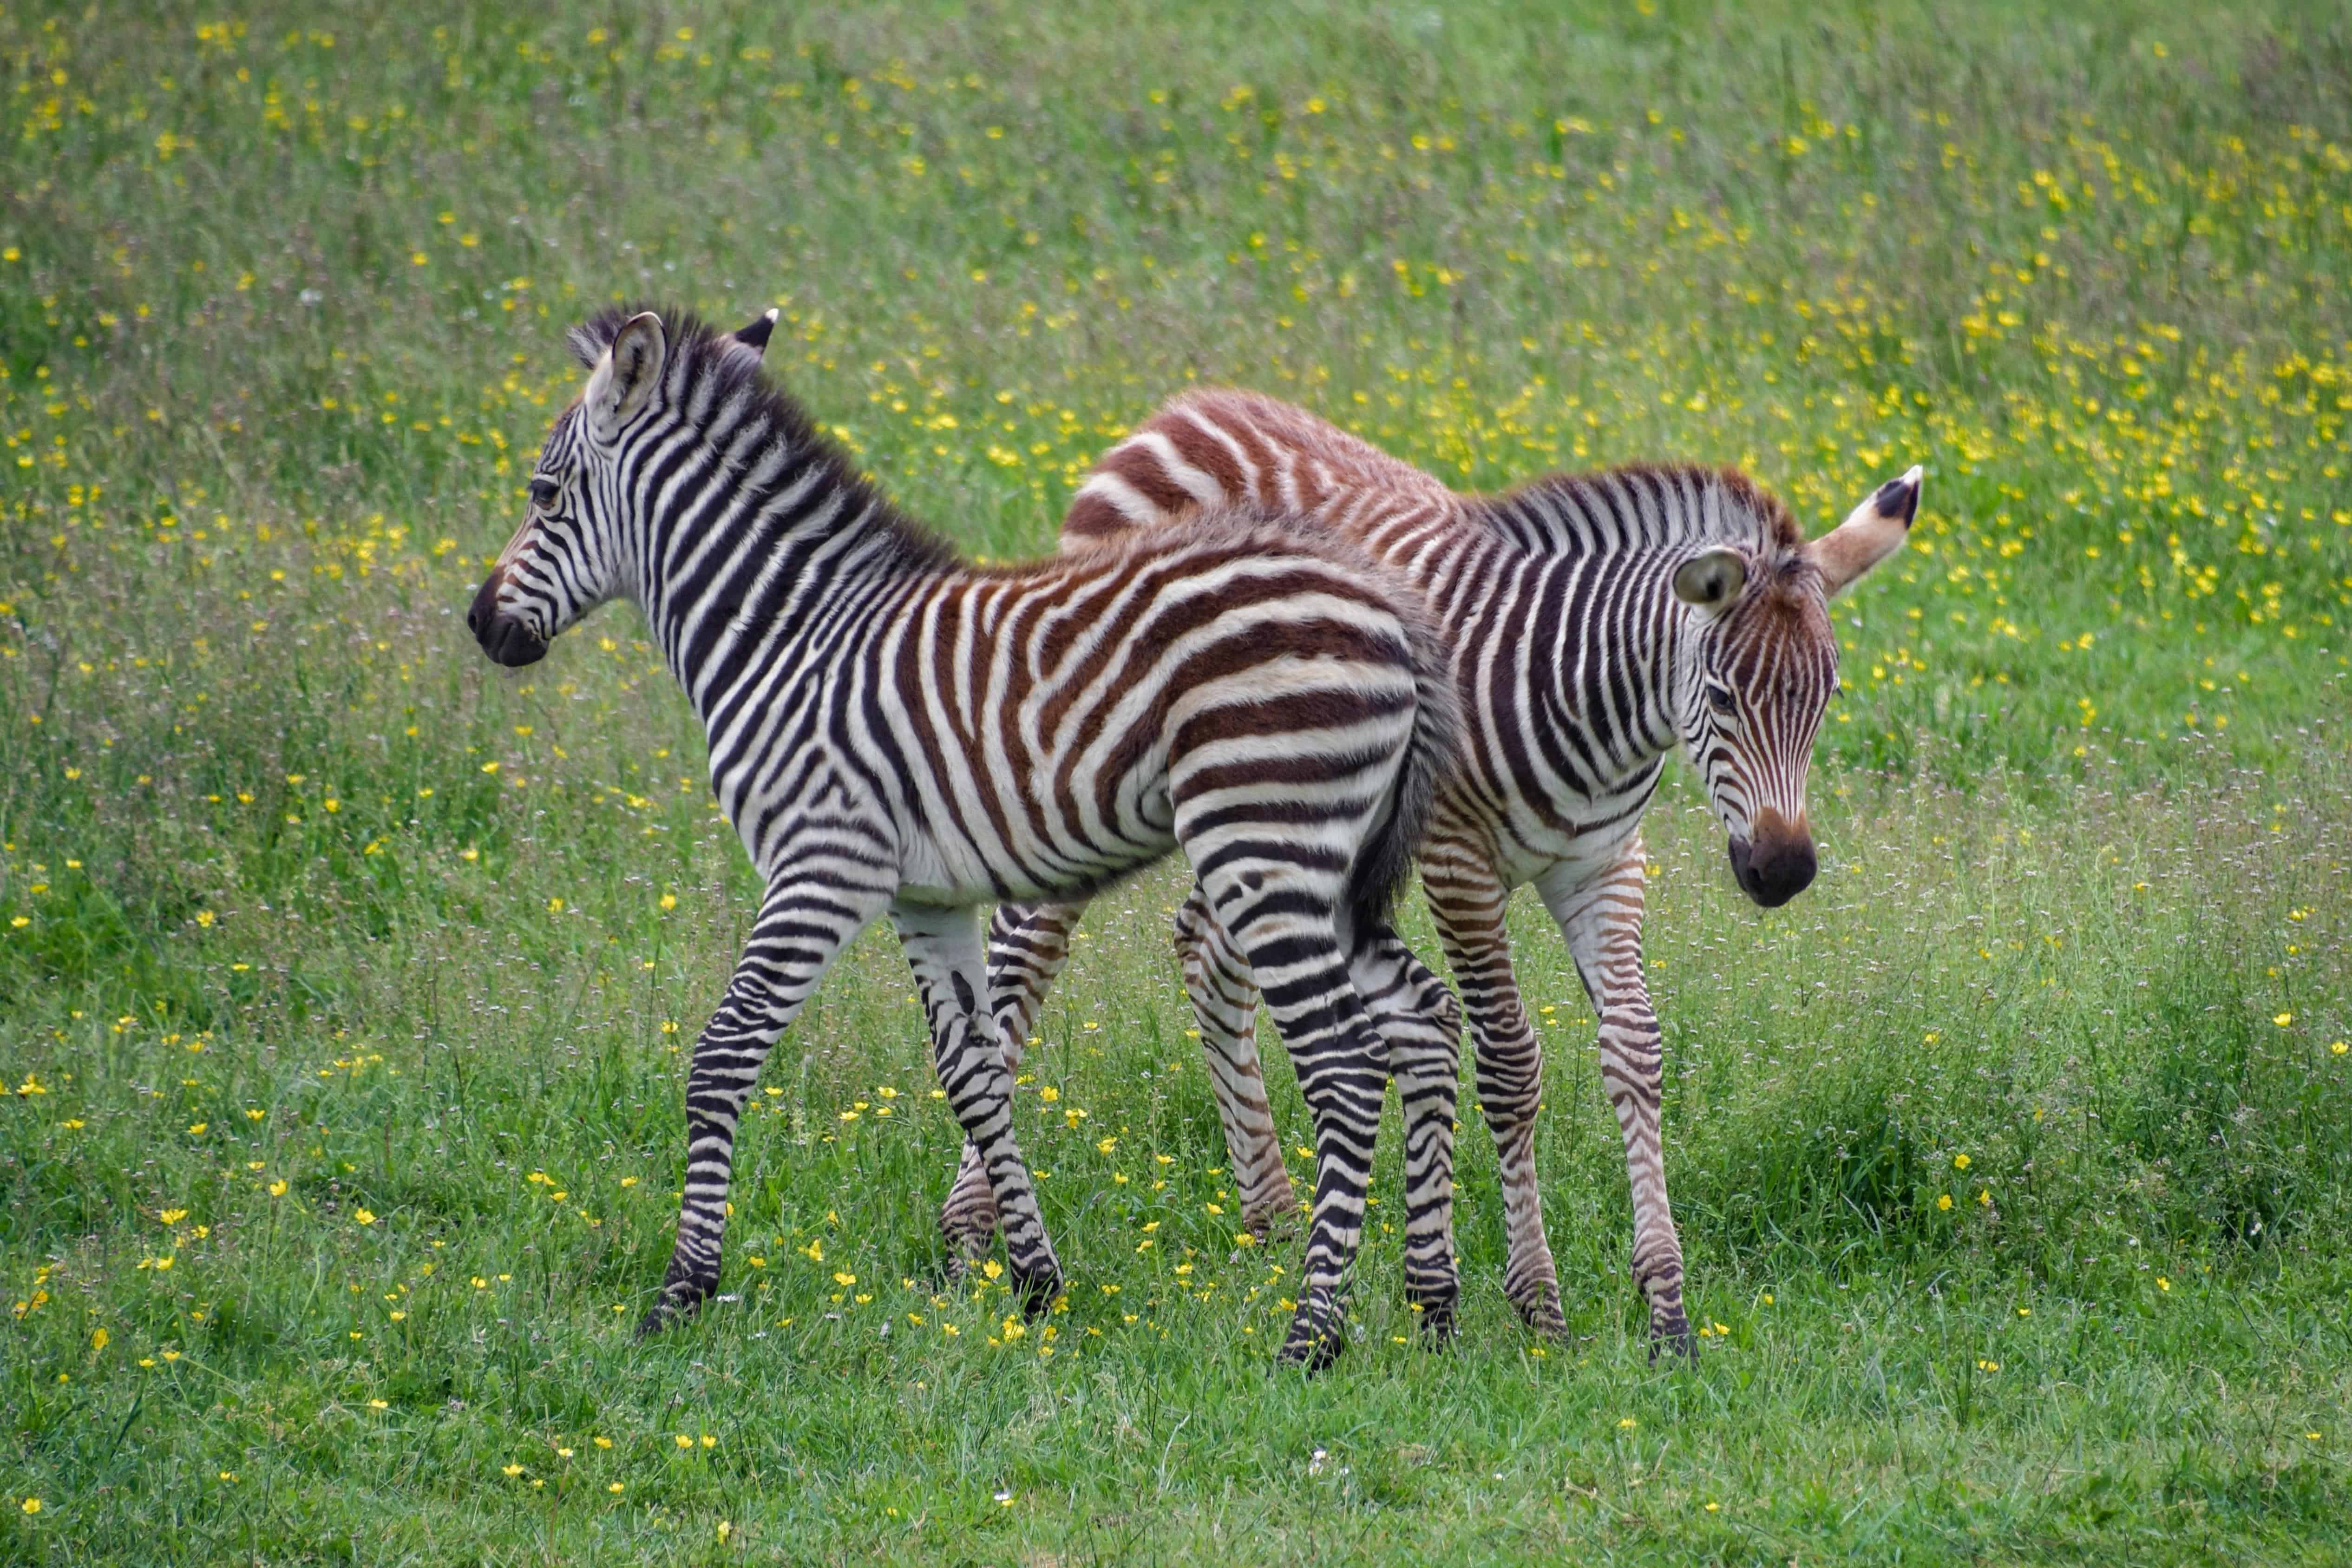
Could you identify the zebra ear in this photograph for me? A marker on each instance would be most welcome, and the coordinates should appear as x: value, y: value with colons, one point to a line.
x: 1712, y: 578
x: 755, y: 336
x: 1875, y: 531
x: 628, y: 374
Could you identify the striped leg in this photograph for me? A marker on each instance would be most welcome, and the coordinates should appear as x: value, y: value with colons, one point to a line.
x: 801, y: 927
x: 1284, y: 920
x: 1602, y: 922
x: 1467, y: 900
x: 1422, y: 1027
x: 1224, y: 1004
x: 1027, y: 946
x: 943, y: 948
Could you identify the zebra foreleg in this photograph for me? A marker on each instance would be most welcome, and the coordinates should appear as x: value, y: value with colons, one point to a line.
x: 1224, y: 1004
x: 1422, y: 1025
x: 1466, y: 898
x: 1603, y: 924
x: 1027, y: 947
x: 944, y: 948
x: 801, y: 929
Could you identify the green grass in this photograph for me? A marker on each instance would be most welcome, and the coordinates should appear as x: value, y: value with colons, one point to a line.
x: 309, y: 895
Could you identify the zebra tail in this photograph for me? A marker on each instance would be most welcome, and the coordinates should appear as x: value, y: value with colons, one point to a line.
x: 1384, y: 863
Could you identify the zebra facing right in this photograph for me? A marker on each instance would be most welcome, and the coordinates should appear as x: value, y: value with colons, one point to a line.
x: 1594, y: 622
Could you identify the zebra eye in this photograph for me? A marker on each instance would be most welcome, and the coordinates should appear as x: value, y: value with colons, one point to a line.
x: 1719, y: 699
x: 543, y: 493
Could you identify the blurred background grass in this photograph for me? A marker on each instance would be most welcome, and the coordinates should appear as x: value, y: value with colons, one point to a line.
x: 296, y: 890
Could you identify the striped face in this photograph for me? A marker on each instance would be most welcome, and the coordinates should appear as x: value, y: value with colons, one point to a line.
x: 1756, y: 673
x: 559, y: 566
x: 1762, y: 671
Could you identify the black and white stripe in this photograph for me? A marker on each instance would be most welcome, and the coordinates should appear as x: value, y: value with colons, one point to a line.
x: 1593, y: 622
x: 894, y: 731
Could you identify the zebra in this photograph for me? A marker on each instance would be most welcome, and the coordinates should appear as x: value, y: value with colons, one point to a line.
x: 1593, y: 622
x: 894, y: 730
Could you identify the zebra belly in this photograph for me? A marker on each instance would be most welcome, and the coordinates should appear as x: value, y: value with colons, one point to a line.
x: 1526, y: 852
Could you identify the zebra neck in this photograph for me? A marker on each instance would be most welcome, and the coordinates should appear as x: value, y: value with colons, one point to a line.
x: 761, y: 566
x: 1620, y: 633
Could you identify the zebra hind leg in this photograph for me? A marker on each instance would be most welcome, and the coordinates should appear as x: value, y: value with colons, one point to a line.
x: 1224, y: 1004
x: 1027, y: 948
x: 1421, y: 1025
x: 1466, y: 898
x: 1284, y: 920
x: 944, y: 950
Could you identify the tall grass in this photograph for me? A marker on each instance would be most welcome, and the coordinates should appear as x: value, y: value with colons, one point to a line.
x: 345, y: 983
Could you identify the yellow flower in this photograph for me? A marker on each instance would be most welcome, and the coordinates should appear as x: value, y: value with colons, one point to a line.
x: 2283, y: 1020
x: 173, y: 1216
x: 197, y: 1129
x: 603, y: 1442
x: 277, y: 1188
x: 725, y: 1530
x: 615, y: 1488
x: 378, y: 1404
x: 1626, y: 1424
x: 1945, y: 1202
x: 364, y: 1217
x: 98, y: 1340
x: 684, y: 1441
x: 669, y: 900
x: 2162, y: 1283
x: 32, y: 1505
x: 1959, y: 1162
x: 511, y: 1469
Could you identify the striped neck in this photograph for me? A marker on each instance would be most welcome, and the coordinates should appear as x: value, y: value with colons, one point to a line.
x: 760, y: 538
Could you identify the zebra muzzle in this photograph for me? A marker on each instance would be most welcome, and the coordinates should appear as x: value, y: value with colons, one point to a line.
x: 1775, y: 865
x: 506, y: 639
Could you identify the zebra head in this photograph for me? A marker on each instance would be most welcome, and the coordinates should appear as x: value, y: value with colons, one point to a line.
x: 1754, y: 679
x: 569, y: 554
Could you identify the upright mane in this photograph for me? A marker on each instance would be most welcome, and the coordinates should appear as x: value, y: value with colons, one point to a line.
x: 708, y: 368
x: 1642, y: 506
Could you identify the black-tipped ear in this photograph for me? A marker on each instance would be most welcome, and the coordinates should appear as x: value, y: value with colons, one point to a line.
x: 755, y: 336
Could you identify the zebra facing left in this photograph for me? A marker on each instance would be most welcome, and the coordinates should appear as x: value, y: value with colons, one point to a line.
x: 894, y: 731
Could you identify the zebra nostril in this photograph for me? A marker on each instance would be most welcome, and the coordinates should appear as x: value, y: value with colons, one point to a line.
x: 474, y: 620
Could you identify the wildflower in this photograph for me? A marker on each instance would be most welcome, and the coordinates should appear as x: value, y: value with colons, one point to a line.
x: 1945, y: 1202
x: 2283, y: 1020
x: 511, y: 1469
x: 616, y: 1488
x: 684, y: 1441
x: 725, y: 1530
x: 32, y: 1505
x: 98, y: 1340
x: 363, y: 1216
x: 277, y: 1188
x: 1959, y: 1162
x: 2162, y: 1283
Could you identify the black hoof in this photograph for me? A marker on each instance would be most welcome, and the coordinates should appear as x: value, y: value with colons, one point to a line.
x: 1037, y: 1292
x: 1676, y: 1339
x: 1543, y: 1315
x: 1440, y: 1316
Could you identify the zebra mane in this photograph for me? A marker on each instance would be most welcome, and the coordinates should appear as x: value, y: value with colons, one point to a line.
x: 708, y: 370
x: 1642, y: 507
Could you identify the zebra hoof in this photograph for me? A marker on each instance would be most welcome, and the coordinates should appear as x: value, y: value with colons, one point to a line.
x: 1037, y: 1292
x: 1543, y: 1314
x: 1273, y: 1223
x: 665, y: 1313
x: 1309, y: 1349
x: 1674, y: 1337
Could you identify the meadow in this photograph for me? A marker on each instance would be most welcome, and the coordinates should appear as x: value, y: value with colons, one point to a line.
x: 346, y: 982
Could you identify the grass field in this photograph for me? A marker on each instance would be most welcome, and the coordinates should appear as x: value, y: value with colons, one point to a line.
x: 345, y: 981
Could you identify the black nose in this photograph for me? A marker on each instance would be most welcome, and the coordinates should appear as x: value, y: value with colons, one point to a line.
x: 1772, y: 871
